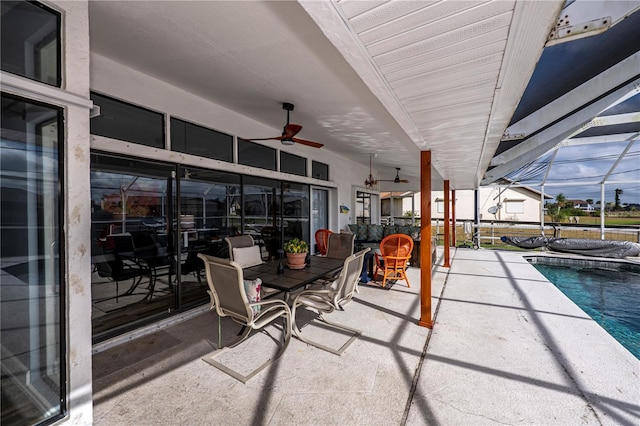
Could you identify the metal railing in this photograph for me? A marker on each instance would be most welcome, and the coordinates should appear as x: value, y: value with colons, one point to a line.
x: 488, y: 234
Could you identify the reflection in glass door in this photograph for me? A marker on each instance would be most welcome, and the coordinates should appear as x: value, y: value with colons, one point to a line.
x: 133, y: 249
x: 209, y: 212
x: 319, y: 210
x: 31, y: 292
x: 261, y: 212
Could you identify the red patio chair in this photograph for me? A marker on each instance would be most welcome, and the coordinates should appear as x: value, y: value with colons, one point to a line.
x: 322, y: 238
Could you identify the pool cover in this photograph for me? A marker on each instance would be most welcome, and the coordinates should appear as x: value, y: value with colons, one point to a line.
x: 585, y: 247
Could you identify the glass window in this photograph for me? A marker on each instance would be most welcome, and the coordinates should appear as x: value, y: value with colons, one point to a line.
x: 197, y: 140
x: 209, y: 212
x: 262, y: 213
x: 256, y: 155
x: 440, y: 205
x: 126, y: 122
x: 133, y: 254
x: 319, y: 211
x: 319, y: 170
x: 294, y: 164
x: 212, y: 199
x: 31, y: 283
x: 30, y: 41
x: 363, y: 207
x: 514, y: 206
x: 295, y: 211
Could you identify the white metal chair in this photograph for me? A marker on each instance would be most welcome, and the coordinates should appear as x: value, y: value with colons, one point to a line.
x: 229, y: 297
x: 240, y: 252
x: 239, y: 242
x: 325, y: 301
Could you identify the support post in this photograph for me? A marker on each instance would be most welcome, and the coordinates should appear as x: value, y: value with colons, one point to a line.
x: 453, y: 218
x: 447, y: 225
x: 476, y: 216
x: 426, y: 240
x: 602, y: 207
x: 542, y: 210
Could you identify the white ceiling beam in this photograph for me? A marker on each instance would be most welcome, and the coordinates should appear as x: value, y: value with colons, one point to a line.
x: 632, y: 140
x: 515, y: 72
x: 540, y: 143
x: 582, y: 183
x: 591, y: 140
x: 612, y: 120
x: 581, y: 95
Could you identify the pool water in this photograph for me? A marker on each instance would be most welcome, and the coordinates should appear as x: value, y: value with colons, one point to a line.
x: 610, y: 296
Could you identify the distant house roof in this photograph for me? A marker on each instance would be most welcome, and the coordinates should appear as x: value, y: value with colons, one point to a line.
x: 513, y: 183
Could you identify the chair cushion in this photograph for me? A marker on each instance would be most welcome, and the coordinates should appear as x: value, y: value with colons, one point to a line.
x: 247, y: 256
x: 375, y: 232
x: 252, y: 288
x: 404, y: 229
x: 363, y: 232
x: 389, y: 230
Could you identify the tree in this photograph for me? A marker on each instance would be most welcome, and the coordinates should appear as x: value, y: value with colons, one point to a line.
x: 561, y: 200
x: 589, y: 201
x: 560, y: 203
x: 618, y: 194
x: 407, y: 213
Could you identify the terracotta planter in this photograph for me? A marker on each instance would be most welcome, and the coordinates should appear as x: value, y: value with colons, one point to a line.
x: 296, y: 260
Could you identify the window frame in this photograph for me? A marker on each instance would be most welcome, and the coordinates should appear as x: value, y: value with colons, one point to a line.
x: 163, y: 128
x: 35, y: 47
x: 509, y: 204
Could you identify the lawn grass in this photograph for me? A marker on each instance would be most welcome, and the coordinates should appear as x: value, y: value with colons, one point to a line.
x: 608, y: 220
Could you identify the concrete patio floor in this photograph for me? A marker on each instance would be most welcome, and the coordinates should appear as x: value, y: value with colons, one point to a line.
x: 507, y: 348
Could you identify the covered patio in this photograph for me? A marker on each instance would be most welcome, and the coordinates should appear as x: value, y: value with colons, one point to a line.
x: 164, y: 122
x: 507, y: 347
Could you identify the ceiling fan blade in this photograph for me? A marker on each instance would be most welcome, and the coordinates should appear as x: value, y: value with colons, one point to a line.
x: 290, y: 130
x: 277, y: 138
x: 308, y: 143
x: 402, y: 181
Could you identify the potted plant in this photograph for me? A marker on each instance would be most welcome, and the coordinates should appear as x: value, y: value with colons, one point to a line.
x: 296, y: 250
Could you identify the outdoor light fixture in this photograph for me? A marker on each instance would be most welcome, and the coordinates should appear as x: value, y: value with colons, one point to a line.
x: 370, y: 182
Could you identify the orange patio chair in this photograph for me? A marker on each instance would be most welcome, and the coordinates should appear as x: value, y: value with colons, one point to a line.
x: 396, y: 251
x: 322, y: 238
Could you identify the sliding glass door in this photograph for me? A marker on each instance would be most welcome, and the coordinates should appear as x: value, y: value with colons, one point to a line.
x: 319, y: 211
x: 209, y: 212
x: 150, y: 220
x: 134, y: 251
x: 32, y: 290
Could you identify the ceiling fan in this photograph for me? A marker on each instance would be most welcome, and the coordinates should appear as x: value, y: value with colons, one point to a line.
x: 396, y: 179
x: 289, y: 131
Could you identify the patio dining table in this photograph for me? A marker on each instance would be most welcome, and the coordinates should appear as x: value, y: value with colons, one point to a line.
x: 293, y: 279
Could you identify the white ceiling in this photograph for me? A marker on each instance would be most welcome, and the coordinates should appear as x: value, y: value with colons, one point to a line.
x: 385, y: 77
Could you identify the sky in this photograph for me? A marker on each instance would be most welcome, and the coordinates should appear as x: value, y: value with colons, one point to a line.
x: 579, y: 164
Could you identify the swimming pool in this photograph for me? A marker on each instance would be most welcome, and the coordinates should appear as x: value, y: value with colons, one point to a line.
x: 609, y: 292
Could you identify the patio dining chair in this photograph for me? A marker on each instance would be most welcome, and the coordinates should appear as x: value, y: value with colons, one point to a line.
x: 340, y: 246
x: 327, y: 300
x: 112, y: 267
x: 396, y: 252
x: 244, y: 251
x: 322, y: 238
x: 229, y: 296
